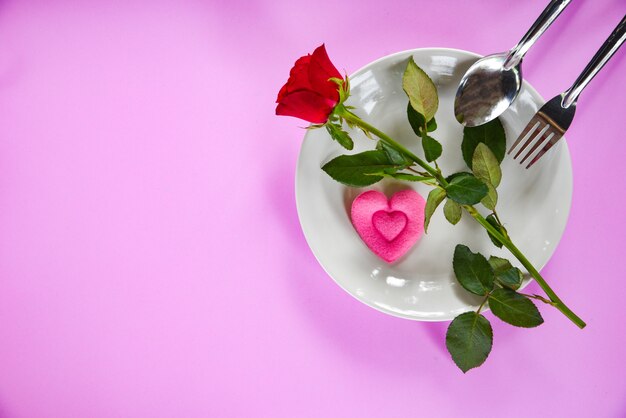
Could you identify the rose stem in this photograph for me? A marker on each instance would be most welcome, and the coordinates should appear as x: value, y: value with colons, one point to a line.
x: 351, y: 118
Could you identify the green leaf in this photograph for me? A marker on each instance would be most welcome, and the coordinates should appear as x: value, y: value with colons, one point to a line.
x: 406, y: 176
x: 472, y: 270
x: 431, y: 125
x: 421, y: 90
x: 499, y: 265
x: 514, y: 309
x: 491, y: 199
x: 452, y: 211
x: 485, y: 165
x: 469, y: 340
x: 435, y: 197
x: 506, y: 274
x: 432, y: 148
x: 395, y: 156
x: 466, y: 189
x: 339, y: 135
x: 511, y: 278
x: 492, y: 134
x: 416, y: 120
x: 494, y: 222
x: 360, y: 170
x: 458, y: 175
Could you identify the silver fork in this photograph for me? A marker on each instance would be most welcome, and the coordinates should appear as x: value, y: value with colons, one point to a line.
x: 552, y: 120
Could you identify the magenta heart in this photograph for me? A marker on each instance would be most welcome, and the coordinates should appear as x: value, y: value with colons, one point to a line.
x: 389, y: 227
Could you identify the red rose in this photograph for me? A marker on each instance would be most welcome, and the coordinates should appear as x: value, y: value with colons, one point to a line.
x: 309, y: 94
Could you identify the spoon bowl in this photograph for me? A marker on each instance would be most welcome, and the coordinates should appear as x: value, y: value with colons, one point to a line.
x: 490, y: 85
x: 486, y: 90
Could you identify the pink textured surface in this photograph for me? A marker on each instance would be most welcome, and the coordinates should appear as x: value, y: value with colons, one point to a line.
x: 151, y: 260
x: 389, y: 227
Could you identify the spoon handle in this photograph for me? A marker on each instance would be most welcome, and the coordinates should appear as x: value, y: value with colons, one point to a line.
x: 550, y: 13
x: 606, y: 51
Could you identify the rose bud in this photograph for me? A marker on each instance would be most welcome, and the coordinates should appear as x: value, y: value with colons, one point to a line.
x: 309, y: 93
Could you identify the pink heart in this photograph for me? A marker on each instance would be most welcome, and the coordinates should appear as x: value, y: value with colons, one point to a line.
x: 389, y: 224
x: 389, y: 227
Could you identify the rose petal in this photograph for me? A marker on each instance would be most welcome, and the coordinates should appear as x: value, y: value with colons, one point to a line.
x: 320, y: 70
x: 298, y: 78
x: 320, y: 56
x: 306, y: 105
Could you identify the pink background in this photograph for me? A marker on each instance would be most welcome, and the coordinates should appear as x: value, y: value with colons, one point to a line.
x: 151, y: 260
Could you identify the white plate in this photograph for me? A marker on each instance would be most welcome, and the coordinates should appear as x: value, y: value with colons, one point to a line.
x: 534, y: 204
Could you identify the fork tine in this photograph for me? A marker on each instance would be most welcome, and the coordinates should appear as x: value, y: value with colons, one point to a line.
x: 546, y: 148
x: 531, y: 138
x: 549, y: 133
x: 529, y: 129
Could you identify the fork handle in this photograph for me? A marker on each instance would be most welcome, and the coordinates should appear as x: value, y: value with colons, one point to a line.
x: 606, y: 51
x: 549, y: 14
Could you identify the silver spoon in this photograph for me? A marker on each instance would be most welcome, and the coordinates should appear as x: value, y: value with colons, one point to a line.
x: 490, y: 85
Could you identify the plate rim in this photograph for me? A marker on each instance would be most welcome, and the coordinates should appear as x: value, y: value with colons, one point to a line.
x: 540, y: 102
